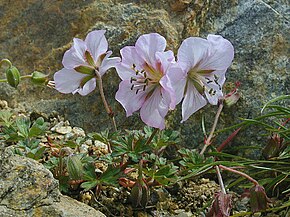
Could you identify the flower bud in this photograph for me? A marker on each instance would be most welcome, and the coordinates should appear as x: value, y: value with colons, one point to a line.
x: 140, y: 194
x: 75, y: 167
x: 13, y: 76
x: 258, y: 198
x: 39, y: 78
x: 232, y: 98
x: 274, y: 147
x: 221, y: 205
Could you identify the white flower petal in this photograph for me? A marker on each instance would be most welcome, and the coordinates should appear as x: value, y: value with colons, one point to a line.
x: 177, y: 78
x: 88, y: 87
x: 130, y: 56
x: 166, y: 59
x: 154, y: 110
x: 124, y: 71
x: 192, y: 102
x: 128, y: 98
x: 97, y: 43
x: 192, y: 52
x: 147, y: 45
x: 168, y: 93
x: 213, y: 98
x: 67, y: 80
x: 75, y: 55
x: 108, y: 63
x: 221, y: 54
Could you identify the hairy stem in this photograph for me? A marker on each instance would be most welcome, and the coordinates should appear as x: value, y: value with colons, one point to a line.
x: 208, y: 140
x: 107, y: 107
x: 239, y: 173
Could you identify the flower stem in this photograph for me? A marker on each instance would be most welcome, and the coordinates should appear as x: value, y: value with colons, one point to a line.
x: 239, y: 173
x: 208, y: 140
x: 222, y: 186
x: 7, y: 62
x: 152, y: 136
x: 26, y: 76
x: 22, y: 77
x: 107, y: 107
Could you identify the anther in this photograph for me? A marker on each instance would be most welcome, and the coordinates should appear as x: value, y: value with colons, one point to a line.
x: 137, y: 91
x: 212, y: 92
x: 216, y: 78
x: 132, y: 87
x: 132, y: 79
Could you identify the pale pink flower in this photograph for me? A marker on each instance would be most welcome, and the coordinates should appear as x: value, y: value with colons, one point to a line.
x: 83, y: 62
x: 204, y: 63
x: 144, y: 84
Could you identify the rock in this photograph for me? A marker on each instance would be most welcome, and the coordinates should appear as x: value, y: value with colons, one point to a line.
x: 258, y: 30
x: 3, y: 104
x: 28, y: 189
x: 62, y: 128
x: 79, y: 132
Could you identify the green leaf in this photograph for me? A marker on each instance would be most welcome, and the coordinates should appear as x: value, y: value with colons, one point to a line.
x: 89, y: 173
x: 39, y: 153
x: 5, y: 118
x: 38, y: 127
x: 70, y: 144
x: 75, y: 167
x: 89, y: 185
x: 110, y: 176
x: 23, y: 125
x: 279, y: 98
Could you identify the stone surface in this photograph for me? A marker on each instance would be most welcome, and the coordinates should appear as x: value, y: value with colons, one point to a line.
x: 28, y: 189
x: 34, y: 35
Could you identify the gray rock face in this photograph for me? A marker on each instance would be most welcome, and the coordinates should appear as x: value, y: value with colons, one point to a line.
x: 258, y: 29
x: 28, y: 189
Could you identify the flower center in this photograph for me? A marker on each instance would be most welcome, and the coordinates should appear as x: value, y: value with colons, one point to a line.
x: 203, y: 79
x: 148, y: 76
